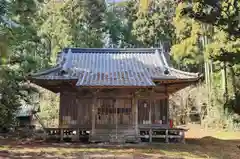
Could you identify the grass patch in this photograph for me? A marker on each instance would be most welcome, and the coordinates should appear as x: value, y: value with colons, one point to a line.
x: 227, y: 135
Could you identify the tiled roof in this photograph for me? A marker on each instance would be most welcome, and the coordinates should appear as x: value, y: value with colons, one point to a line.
x: 113, y: 67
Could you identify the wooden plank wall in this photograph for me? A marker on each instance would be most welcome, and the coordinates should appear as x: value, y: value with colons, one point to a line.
x: 74, y: 111
x: 77, y: 111
x: 111, y: 111
x: 158, y: 113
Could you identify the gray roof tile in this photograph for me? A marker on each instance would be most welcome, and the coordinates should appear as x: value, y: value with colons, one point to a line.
x: 113, y: 67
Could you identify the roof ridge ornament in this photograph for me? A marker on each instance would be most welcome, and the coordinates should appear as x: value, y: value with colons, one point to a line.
x: 60, y: 60
x: 67, y: 61
x: 161, y: 55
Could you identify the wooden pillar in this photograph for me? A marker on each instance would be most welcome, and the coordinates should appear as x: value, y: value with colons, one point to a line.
x: 94, y: 114
x: 135, y: 114
x: 151, y: 104
x: 150, y: 111
x: 60, y: 120
x: 167, y: 104
x: 116, y: 117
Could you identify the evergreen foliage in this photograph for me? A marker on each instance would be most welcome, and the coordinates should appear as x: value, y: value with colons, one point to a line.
x: 155, y: 25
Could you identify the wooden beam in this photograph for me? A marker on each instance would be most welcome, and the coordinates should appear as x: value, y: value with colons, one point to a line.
x: 172, y: 81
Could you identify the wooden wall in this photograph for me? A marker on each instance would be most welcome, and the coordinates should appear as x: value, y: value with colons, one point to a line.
x: 152, y: 111
x: 76, y: 109
x: 111, y: 111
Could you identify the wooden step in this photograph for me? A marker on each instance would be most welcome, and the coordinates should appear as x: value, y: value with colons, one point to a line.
x: 113, y: 135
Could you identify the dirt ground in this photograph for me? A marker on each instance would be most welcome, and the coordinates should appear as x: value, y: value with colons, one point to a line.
x: 199, y: 145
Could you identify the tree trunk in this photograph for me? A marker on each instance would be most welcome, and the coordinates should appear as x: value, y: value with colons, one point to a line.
x: 224, y: 83
x: 232, y: 72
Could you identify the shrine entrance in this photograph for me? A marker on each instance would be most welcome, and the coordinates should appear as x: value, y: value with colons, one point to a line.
x: 113, y: 113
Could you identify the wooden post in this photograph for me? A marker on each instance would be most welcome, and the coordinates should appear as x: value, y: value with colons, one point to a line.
x: 183, y: 137
x: 166, y: 136
x: 60, y: 120
x: 150, y: 117
x: 150, y: 135
x: 77, y: 134
x: 45, y: 133
x: 116, y: 118
x: 150, y: 112
x: 61, y: 134
x: 167, y: 105
x: 135, y: 114
x: 93, y: 115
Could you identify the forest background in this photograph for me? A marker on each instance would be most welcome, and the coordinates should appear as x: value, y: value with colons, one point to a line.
x: 200, y: 36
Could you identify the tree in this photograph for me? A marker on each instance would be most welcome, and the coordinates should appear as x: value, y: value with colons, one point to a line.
x: 25, y: 51
x: 55, y: 28
x: 85, y: 19
x: 119, y: 23
x: 155, y: 25
x: 224, y: 15
x: 187, y: 50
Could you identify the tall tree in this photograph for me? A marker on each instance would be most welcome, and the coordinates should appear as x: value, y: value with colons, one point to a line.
x: 85, y: 19
x: 55, y: 28
x: 119, y: 23
x: 155, y: 25
x: 188, y: 49
x: 25, y: 50
x: 224, y: 16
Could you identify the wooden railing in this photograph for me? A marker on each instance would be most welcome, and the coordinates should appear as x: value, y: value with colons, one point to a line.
x: 168, y: 134
x: 146, y: 134
x: 74, y: 134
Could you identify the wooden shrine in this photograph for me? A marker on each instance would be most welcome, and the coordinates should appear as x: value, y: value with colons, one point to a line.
x: 113, y: 93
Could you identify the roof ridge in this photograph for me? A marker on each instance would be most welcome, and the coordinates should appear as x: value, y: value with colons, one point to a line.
x: 112, y: 50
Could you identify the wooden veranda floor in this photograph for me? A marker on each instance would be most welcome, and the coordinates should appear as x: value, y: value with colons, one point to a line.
x: 145, y: 134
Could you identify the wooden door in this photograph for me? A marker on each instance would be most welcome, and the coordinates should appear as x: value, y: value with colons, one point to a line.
x: 105, y: 116
x: 144, y: 111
